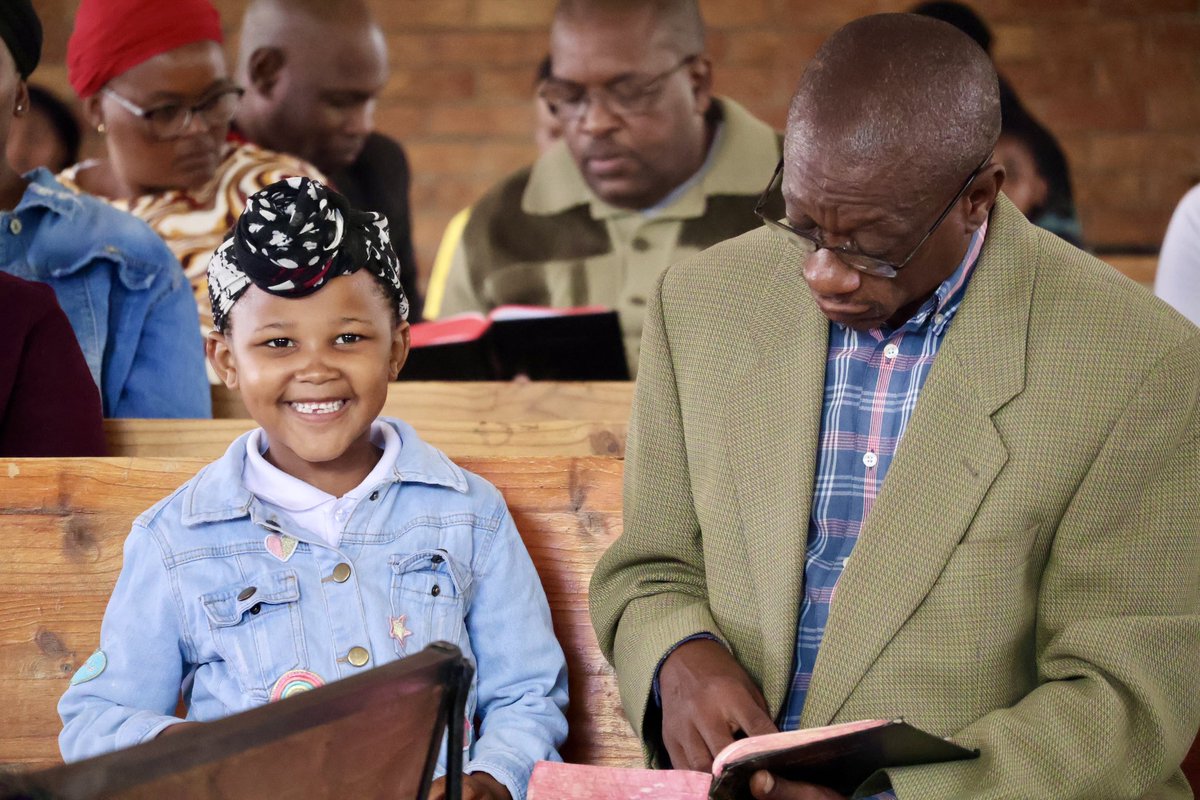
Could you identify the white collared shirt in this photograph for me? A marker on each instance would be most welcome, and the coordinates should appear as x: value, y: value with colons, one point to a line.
x: 316, y: 511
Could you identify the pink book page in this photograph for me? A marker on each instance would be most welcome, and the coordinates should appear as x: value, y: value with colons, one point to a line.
x: 554, y: 781
x: 772, y: 742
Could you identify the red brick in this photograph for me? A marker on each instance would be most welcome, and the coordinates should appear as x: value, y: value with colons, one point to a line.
x: 506, y: 84
x: 735, y: 13
x: 514, y: 13
x: 406, y: 15
x: 482, y: 122
x: 490, y: 49
x: 1141, y: 8
x: 1014, y: 43
x: 443, y: 85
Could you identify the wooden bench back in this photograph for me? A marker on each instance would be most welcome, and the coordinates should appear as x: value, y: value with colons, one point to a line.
x: 209, y: 438
x: 64, y: 522
x: 494, y: 401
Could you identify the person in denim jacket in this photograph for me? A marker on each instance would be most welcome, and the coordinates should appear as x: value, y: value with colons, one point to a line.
x: 125, y: 294
x: 328, y: 540
x: 123, y: 291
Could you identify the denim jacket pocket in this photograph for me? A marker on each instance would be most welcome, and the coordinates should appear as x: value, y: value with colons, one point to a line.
x: 257, y: 628
x: 428, y: 590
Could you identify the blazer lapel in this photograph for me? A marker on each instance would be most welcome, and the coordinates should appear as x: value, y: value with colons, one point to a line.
x: 773, y: 424
x: 949, y: 457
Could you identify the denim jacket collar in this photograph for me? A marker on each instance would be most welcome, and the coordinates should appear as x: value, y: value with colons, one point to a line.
x: 218, y: 494
x: 45, y: 192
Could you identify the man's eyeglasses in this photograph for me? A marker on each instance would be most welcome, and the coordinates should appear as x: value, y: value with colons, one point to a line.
x: 630, y: 95
x: 169, y: 121
x: 810, y: 241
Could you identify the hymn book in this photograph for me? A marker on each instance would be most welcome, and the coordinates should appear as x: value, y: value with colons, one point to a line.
x: 560, y: 344
x: 840, y: 757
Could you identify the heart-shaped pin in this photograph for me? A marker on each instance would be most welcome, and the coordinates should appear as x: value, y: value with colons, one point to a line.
x: 281, y: 545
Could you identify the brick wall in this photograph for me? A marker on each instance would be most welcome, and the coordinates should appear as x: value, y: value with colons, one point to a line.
x: 1117, y: 80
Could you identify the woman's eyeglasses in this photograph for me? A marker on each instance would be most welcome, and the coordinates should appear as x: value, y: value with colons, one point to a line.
x: 171, y: 120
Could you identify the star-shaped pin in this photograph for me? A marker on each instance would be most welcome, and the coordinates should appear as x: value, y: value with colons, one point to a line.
x: 400, y: 630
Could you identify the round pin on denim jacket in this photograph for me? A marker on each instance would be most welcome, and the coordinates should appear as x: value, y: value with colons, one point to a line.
x: 123, y: 291
x: 246, y: 606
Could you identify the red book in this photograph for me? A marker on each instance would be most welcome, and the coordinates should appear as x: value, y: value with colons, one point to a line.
x: 838, y: 756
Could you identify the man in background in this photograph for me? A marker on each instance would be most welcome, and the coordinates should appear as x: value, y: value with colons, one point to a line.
x: 312, y: 70
x: 652, y: 168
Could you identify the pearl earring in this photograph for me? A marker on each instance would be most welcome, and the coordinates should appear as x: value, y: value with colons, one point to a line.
x: 101, y: 128
x: 20, y: 108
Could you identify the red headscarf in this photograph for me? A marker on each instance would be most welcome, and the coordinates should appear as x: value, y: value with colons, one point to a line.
x: 112, y: 36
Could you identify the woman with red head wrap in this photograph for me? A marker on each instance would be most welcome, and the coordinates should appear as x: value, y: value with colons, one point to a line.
x: 154, y: 82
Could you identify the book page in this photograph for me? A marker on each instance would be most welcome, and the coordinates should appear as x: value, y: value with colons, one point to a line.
x: 537, y: 312
x: 555, y: 781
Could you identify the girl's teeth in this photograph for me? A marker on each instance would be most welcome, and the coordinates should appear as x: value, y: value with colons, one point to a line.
x: 319, y: 408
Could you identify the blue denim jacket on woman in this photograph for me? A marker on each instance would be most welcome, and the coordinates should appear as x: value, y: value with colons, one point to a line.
x: 123, y: 291
x: 434, y: 544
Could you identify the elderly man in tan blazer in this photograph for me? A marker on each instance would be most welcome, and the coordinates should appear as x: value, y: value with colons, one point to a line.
x: 1026, y: 580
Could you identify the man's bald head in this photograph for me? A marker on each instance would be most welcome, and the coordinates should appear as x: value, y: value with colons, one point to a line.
x: 678, y: 21
x: 910, y: 97
x: 294, y: 23
x: 312, y: 69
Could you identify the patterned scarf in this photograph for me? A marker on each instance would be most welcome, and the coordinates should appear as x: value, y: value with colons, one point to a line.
x: 294, y: 236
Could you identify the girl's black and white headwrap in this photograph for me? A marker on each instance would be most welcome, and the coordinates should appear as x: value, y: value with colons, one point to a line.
x: 294, y: 236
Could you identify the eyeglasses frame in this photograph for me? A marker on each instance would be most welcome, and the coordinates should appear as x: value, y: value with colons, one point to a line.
x: 651, y: 86
x: 874, y: 266
x: 189, y: 112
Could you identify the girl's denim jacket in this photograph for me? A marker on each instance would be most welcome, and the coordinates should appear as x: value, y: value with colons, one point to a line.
x: 432, y: 554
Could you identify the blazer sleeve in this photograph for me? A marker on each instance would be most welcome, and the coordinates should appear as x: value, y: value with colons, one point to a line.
x: 648, y: 591
x: 1117, y: 649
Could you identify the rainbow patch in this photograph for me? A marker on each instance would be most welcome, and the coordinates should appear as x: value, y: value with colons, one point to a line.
x: 293, y: 682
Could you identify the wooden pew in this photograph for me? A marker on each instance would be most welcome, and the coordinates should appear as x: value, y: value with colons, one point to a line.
x: 209, y: 438
x: 494, y: 401
x: 1141, y: 267
x: 64, y: 522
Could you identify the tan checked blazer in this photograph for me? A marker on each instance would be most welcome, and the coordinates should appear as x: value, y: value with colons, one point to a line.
x: 1028, y: 581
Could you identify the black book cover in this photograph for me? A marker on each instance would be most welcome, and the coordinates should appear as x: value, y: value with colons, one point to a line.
x: 568, y: 345
x: 841, y: 763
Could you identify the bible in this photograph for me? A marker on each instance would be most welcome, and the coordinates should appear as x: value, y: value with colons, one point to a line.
x: 840, y: 757
x: 559, y: 344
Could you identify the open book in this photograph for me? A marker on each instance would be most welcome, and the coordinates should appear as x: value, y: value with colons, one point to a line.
x: 838, y: 756
x: 541, y: 343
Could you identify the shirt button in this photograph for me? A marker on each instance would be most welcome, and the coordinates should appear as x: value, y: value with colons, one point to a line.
x: 637, y: 300
x: 247, y: 593
x: 891, y: 351
x: 938, y: 319
x: 374, y: 495
x: 870, y: 460
x: 436, y: 590
x: 14, y: 225
x: 358, y: 656
x: 641, y: 245
x: 341, y: 573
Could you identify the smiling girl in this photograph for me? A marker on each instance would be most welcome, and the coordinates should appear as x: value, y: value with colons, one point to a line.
x: 328, y: 540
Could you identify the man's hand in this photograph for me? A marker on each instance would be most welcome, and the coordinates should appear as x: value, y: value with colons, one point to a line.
x: 706, y: 698
x: 765, y: 786
x: 476, y: 786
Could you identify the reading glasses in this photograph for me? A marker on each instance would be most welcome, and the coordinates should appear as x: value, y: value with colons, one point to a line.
x: 625, y: 96
x: 810, y: 241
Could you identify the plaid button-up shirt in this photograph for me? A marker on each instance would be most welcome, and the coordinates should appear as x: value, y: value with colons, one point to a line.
x: 872, y: 382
